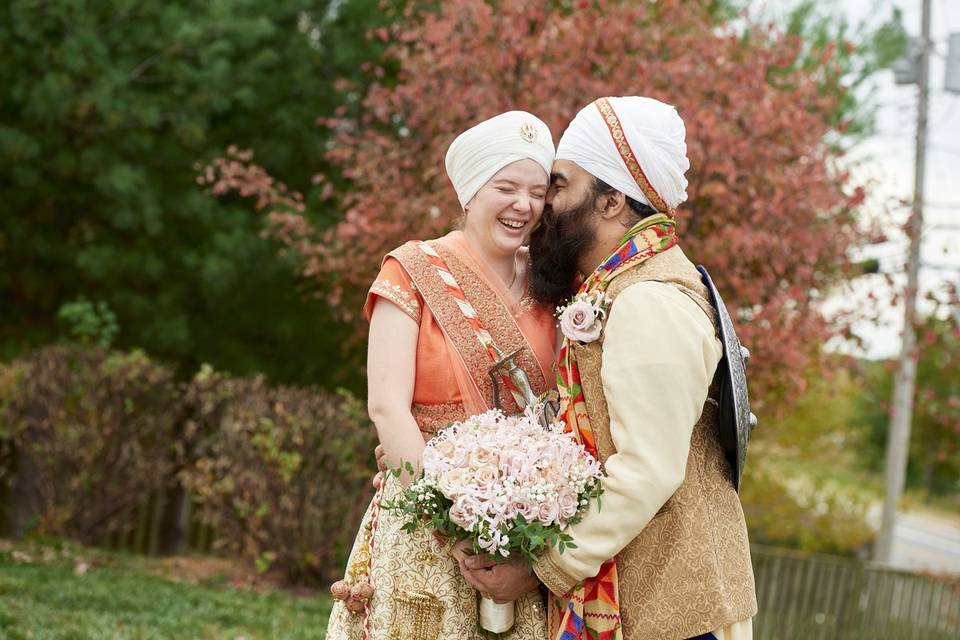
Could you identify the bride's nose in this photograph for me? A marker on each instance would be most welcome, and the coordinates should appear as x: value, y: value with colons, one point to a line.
x: 523, y: 202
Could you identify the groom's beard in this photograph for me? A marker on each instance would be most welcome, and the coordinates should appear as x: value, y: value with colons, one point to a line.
x: 555, y: 250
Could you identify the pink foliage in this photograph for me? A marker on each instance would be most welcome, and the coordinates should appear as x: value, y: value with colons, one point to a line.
x: 769, y: 211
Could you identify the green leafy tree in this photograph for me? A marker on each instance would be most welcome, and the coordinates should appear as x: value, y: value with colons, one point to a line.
x: 105, y: 107
x: 844, y: 57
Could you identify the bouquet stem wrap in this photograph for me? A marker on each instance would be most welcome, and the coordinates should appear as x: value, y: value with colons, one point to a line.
x: 495, y: 617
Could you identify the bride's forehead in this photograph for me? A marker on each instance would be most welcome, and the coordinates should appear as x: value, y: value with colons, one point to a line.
x: 522, y: 172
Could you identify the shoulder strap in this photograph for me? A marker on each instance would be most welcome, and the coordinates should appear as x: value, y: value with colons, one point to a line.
x: 465, y: 309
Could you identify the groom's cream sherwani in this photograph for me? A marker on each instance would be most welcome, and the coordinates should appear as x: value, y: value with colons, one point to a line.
x: 669, y: 512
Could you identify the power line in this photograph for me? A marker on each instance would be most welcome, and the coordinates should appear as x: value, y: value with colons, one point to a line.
x: 941, y: 266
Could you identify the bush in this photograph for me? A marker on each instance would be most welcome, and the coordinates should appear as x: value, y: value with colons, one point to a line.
x: 793, y: 512
x: 282, y: 473
x: 88, y: 436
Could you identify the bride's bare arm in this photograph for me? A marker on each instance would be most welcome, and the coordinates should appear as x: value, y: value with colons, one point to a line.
x: 391, y: 369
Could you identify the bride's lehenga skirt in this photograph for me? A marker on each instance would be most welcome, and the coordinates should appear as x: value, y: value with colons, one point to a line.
x: 419, y: 592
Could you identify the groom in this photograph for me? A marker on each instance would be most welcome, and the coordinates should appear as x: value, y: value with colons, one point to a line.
x: 667, y: 556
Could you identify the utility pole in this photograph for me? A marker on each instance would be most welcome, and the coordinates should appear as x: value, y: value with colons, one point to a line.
x: 898, y: 439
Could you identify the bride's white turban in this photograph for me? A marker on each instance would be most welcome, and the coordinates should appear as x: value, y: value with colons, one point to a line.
x: 636, y: 145
x: 482, y: 150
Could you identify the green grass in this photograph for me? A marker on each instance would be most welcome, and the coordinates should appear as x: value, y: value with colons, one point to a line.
x: 42, y: 598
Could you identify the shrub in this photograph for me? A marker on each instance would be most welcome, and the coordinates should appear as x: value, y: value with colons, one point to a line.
x: 282, y: 473
x: 811, y: 516
x: 88, y: 434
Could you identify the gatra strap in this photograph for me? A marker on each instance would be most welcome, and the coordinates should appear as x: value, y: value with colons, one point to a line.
x: 591, y: 611
x: 469, y: 314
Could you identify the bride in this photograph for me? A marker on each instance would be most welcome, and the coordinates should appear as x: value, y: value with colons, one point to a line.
x: 428, y: 366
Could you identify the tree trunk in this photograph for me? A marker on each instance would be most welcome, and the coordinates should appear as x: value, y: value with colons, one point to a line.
x: 23, y: 504
x: 175, y: 521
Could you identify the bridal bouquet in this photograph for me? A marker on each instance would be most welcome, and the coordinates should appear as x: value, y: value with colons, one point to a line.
x: 506, y: 484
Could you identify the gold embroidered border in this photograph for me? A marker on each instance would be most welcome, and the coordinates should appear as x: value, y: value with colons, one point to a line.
x: 398, y: 296
x: 552, y: 576
x: 434, y: 417
x: 626, y: 153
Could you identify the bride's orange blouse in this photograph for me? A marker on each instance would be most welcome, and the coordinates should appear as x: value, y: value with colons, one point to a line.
x: 436, y: 368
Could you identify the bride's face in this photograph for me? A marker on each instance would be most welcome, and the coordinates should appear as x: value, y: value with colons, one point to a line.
x: 504, y: 211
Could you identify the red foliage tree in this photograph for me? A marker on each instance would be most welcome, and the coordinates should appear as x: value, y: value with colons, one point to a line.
x: 769, y: 211
x: 935, y: 441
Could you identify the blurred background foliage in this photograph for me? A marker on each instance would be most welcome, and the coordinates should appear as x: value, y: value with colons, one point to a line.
x: 106, y: 108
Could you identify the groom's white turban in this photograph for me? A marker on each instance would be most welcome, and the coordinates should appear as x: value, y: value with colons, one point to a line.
x: 634, y: 144
x: 482, y: 150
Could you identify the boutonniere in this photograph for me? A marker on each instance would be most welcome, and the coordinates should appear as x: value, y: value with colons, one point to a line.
x: 581, y: 319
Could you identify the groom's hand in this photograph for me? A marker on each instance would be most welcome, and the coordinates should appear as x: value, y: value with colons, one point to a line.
x: 503, y: 581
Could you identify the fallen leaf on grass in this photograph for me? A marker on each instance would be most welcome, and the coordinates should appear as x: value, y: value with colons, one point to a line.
x: 20, y: 556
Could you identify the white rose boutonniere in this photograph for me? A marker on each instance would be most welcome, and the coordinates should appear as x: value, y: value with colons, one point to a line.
x: 581, y: 319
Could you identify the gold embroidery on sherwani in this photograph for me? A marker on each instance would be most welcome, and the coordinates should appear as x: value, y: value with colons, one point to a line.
x: 689, y: 570
x: 553, y: 577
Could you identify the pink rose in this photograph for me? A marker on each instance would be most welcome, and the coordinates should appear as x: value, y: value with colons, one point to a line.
x: 548, y: 512
x: 444, y: 447
x: 460, y: 457
x: 579, y: 322
x: 481, y: 456
x: 464, y: 512
x: 486, y: 478
x: 527, y: 509
x: 568, y: 504
x: 452, y: 483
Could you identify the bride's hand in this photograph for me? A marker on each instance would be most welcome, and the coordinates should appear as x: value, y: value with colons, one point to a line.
x: 381, y: 457
x: 381, y: 466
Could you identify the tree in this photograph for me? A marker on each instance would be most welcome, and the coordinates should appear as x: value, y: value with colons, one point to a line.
x: 106, y: 107
x: 770, y: 212
x: 858, y: 52
x: 934, y: 460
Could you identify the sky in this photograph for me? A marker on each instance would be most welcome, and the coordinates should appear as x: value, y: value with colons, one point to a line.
x: 886, y: 162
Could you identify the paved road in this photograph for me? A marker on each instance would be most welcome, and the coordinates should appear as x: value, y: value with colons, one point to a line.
x: 926, y: 542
